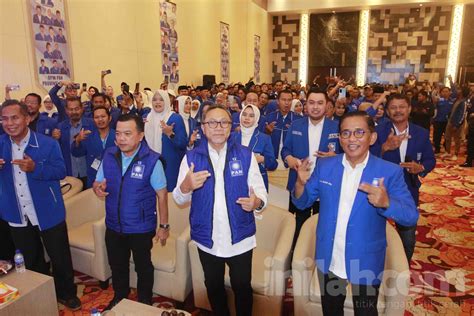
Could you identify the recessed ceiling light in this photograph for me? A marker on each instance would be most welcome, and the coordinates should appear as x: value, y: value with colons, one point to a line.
x: 421, y: 4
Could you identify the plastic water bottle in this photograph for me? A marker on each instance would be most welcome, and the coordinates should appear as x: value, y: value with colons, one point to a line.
x: 19, y: 261
x: 95, y: 312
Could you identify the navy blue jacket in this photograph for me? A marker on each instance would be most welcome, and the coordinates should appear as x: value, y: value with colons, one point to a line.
x: 242, y: 223
x: 93, y: 148
x: 45, y: 125
x: 131, y: 203
x: 65, y: 127
x: 60, y: 103
x: 261, y: 143
x: 281, y: 126
x: 43, y: 182
x: 419, y: 149
x: 297, y: 143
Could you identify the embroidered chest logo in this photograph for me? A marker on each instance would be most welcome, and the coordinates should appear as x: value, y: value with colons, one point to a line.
x: 236, y: 168
x: 137, y: 171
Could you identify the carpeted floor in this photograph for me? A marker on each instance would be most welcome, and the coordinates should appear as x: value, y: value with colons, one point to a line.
x: 442, y: 267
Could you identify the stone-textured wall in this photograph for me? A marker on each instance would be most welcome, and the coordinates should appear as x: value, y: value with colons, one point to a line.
x: 408, y: 40
x: 285, y: 51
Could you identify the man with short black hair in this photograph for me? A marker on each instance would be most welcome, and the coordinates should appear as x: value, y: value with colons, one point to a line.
x: 131, y: 177
x: 409, y: 146
x: 358, y: 193
x: 279, y: 122
x: 32, y: 203
x: 70, y: 128
x: 40, y: 123
x: 422, y: 111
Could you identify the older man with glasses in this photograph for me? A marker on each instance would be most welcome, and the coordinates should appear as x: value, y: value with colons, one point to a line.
x: 222, y: 180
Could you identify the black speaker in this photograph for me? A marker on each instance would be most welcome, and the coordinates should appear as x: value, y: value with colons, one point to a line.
x: 208, y: 80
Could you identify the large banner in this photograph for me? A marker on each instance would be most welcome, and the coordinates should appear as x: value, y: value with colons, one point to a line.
x: 225, y: 50
x: 52, y: 52
x: 169, y: 42
x: 256, y: 58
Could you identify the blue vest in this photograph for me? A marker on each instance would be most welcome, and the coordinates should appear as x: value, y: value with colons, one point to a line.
x: 131, y: 203
x: 237, y: 165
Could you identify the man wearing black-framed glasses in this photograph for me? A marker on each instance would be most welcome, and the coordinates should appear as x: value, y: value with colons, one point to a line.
x: 351, y: 233
x: 222, y: 180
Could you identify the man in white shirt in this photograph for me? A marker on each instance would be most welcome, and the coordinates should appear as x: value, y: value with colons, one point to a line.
x: 358, y: 193
x: 222, y: 180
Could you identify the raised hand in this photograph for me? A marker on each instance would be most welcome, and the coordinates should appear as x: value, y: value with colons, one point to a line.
x: 193, y: 137
x: 269, y: 127
x: 412, y: 167
x: 82, y: 135
x: 194, y: 180
x: 167, y: 129
x: 304, y: 171
x: 293, y: 162
x: 394, y: 141
x: 56, y: 134
x: 100, y: 187
x: 26, y: 164
x: 249, y: 203
x: 377, y: 195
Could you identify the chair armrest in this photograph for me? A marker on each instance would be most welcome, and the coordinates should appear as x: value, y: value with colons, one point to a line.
x: 101, y: 264
x: 396, y: 279
x: 281, y: 255
x: 182, y: 252
x: 84, y: 207
x: 303, y: 264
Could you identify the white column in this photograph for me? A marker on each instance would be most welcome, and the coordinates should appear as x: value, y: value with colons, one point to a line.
x: 362, y: 47
x: 303, y: 58
x: 454, y: 42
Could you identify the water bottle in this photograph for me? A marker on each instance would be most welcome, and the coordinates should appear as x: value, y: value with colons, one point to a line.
x: 95, y: 312
x: 19, y: 261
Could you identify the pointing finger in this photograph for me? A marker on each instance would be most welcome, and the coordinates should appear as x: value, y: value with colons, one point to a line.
x: 365, y: 187
x: 191, y: 168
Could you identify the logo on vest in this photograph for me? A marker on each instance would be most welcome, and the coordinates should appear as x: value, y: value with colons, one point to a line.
x: 236, y: 168
x: 137, y: 171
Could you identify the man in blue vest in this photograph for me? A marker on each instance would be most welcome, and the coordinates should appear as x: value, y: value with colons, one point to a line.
x: 222, y: 180
x: 131, y: 177
x: 358, y: 193
x: 279, y: 122
x: 408, y: 145
x: 31, y: 166
x: 314, y: 137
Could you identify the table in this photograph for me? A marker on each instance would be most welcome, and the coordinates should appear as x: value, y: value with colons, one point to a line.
x: 127, y: 307
x: 37, y: 294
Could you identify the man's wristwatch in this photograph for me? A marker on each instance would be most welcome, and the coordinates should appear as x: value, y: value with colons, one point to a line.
x: 165, y: 226
x: 260, y: 207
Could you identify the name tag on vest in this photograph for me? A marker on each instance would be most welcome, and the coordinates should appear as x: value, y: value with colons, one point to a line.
x: 236, y: 168
x: 297, y: 133
x: 137, y: 171
x: 333, y: 135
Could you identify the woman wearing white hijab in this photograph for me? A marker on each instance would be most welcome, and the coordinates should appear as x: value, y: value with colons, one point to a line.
x: 190, y: 124
x: 48, y: 108
x: 260, y: 143
x: 195, y: 106
x: 297, y: 107
x: 165, y: 133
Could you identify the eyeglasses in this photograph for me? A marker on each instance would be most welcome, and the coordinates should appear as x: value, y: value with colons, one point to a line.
x: 213, y: 124
x: 358, y: 133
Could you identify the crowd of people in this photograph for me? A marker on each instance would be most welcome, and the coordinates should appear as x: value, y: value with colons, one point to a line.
x: 355, y: 156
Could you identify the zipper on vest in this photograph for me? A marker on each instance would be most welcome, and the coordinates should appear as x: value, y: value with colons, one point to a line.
x: 212, y: 212
x: 226, y: 201
x: 119, y: 161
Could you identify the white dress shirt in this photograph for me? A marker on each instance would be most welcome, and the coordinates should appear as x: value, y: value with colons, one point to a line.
x: 221, y: 233
x: 314, y: 138
x: 23, y: 194
x: 349, y: 187
x: 404, y: 144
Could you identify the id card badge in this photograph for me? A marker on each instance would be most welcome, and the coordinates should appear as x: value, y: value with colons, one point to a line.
x: 95, y: 164
x: 137, y: 171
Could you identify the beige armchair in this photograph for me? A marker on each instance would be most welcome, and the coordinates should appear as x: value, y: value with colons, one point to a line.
x: 270, y: 264
x: 85, y: 214
x: 172, y: 268
x: 70, y: 186
x: 307, y: 301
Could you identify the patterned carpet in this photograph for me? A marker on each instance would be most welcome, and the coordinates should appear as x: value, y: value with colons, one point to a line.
x: 442, y: 267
